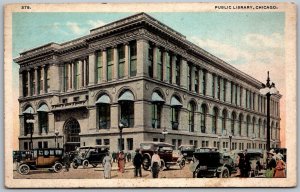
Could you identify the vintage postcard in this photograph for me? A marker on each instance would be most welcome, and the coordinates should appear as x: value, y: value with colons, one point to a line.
x: 150, y: 95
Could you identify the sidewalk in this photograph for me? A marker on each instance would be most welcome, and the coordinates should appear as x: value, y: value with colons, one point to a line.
x: 128, y: 166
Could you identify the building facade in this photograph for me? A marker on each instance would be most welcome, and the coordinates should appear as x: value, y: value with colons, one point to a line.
x: 144, y: 75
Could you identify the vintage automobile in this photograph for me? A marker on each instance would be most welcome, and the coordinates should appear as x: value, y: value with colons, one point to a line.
x: 187, y: 151
x: 257, y: 158
x: 210, y: 163
x: 89, y: 155
x: 50, y: 158
x: 166, y: 153
x: 19, y: 156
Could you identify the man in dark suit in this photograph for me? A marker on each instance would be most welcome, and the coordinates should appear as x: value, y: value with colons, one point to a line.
x: 244, y: 164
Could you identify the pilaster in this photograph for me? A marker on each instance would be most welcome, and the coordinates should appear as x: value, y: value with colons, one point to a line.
x: 142, y: 57
x: 183, y: 74
x: 92, y: 70
x: 104, y: 56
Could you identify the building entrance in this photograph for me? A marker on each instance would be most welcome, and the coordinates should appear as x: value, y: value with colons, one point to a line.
x: 71, y: 132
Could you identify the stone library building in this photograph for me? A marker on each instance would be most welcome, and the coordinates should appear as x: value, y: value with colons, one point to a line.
x: 138, y: 76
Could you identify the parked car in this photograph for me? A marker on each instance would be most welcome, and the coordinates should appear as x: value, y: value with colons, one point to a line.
x: 212, y: 164
x: 258, y: 161
x: 165, y: 152
x: 19, y: 156
x: 42, y: 158
x: 89, y: 155
x: 187, y: 151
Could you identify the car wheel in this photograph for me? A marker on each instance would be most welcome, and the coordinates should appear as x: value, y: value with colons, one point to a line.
x: 24, y: 169
x: 74, y: 165
x: 146, y: 162
x: 57, y: 167
x: 94, y: 164
x: 224, y: 173
x: 85, y: 164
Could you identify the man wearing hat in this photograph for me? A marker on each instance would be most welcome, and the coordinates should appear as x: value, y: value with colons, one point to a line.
x: 271, y: 164
x: 244, y: 164
x: 137, y: 163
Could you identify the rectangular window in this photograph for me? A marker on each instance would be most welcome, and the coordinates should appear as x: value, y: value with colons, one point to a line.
x: 129, y: 144
x: 159, y: 64
x: 32, y: 83
x: 98, y: 141
x: 235, y: 94
x: 179, y: 142
x: 204, y: 83
x: 46, y: 144
x: 133, y: 57
x: 206, y: 143
x: 241, y: 95
x: 25, y: 83
x: 46, y: 79
x: 219, y: 87
x: 25, y: 146
x: 121, y: 57
x: 177, y: 75
x: 156, y: 115
x: 191, y: 142
x: 66, y: 77
x: 203, y: 144
x: 110, y: 63
x: 224, y: 89
x: 213, y: 86
x: 40, y: 81
x: 150, y: 60
x: 189, y: 77
x: 196, y: 81
x: 77, y: 75
x: 174, y: 143
x: 106, y: 141
x: 196, y: 144
x: 40, y: 145
x: 99, y: 66
x: 169, y: 67
x: 155, y: 139
x: 122, y: 147
x: 232, y: 93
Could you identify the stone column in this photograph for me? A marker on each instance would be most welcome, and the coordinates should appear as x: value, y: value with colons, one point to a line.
x: 193, y: 69
x: 209, y: 80
x: 73, y: 75
x: 21, y: 84
x: 173, y: 69
x: 80, y: 65
x: 114, y: 116
x: 92, y: 70
x: 51, y: 122
x: 165, y: 54
x: 243, y: 97
x: 183, y: 73
x: 92, y: 122
x: 84, y: 73
x: 115, y: 74
x: 69, y: 76
x: 139, y: 114
x: 36, y: 81
x: 209, y: 121
x: 29, y: 83
x: 148, y: 115
x: 228, y: 91
x: 155, y: 62
x: 54, y: 75
x: 142, y: 57
x: 104, y: 67
x: 200, y: 80
x: 238, y: 95
x: 43, y: 79
x: 126, y: 67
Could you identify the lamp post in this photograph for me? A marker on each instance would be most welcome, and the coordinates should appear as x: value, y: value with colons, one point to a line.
x: 30, y: 122
x: 56, y: 137
x: 230, y: 138
x: 164, y: 132
x: 122, y: 125
x: 268, y: 89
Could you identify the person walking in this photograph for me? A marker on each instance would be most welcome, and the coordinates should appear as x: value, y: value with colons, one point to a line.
x: 107, y: 163
x: 155, y: 164
x: 244, y: 164
x: 137, y: 163
x: 271, y: 164
x: 280, y: 167
x: 66, y: 160
x: 121, y: 162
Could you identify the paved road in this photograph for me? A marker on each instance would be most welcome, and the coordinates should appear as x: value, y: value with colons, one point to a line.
x: 93, y: 173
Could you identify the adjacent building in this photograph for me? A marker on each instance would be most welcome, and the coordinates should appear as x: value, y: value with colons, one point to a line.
x: 141, y: 74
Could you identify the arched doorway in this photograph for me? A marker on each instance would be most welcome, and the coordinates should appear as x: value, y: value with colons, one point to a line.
x: 71, y: 134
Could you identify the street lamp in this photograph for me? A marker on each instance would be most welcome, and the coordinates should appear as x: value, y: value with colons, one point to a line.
x: 30, y: 122
x: 56, y: 137
x: 268, y: 89
x: 122, y: 125
x: 230, y: 138
x: 164, y: 132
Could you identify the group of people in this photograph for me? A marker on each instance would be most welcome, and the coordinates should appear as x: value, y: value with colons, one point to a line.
x: 275, y: 165
x: 107, y: 164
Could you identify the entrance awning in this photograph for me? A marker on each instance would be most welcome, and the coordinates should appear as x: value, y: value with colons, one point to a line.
x: 29, y: 110
x: 126, y: 96
x: 156, y: 98
x: 175, y: 102
x: 103, y: 99
x: 43, y: 108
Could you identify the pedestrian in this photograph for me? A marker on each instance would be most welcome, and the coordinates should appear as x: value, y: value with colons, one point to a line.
x: 280, y: 166
x: 155, y: 164
x: 244, y: 164
x: 128, y: 156
x: 107, y: 163
x: 121, y: 162
x: 271, y: 164
x: 66, y: 160
x: 114, y: 156
x: 137, y: 163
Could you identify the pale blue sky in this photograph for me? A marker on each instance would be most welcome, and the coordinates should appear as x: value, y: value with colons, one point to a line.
x: 241, y: 39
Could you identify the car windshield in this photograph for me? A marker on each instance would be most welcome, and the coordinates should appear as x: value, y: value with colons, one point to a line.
x: 146, y: 146
x: 187, y: 148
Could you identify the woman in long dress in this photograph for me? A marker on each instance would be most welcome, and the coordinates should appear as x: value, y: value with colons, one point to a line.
x: 107, y: 166
x: 155, y: 164
x: 280, y: 167
x: 121, y: 162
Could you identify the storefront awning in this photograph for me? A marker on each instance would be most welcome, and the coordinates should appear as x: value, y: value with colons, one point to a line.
x: 29, y: 110
x: 156, y: 98
x: 175, y: 102
x: 43, y: 108
x: 126, y: 96
x: 103, y: 99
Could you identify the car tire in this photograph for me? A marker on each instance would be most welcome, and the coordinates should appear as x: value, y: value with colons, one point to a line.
x: 74, y: 165
x: 94, y: 165
x: 23, y: 169
x: 85, y: 164
x: 224, y: 173
x: 57, y: 167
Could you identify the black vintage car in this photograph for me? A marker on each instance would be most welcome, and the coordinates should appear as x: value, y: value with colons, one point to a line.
x: 89, y: 155
x: 212, y: 164
x: 50, y: 158
x: 187, y: 151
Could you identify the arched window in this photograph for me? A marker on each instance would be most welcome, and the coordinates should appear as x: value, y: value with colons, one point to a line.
x: 233, y: 118
x: 157, y: 103
x: 28, y: 115
x: 126, y: 103
x: 247, y: 125
x: 191, y: 109
x: 103, y: 112
x: 175, y: 111
x: 71, y: 132
x: 215, y: 120
x: 253, y: 125
x: 240, y: 124
x: 224, y: 117
x: 43, y: 118
x: 203, y: 115
x: 259, y: 129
